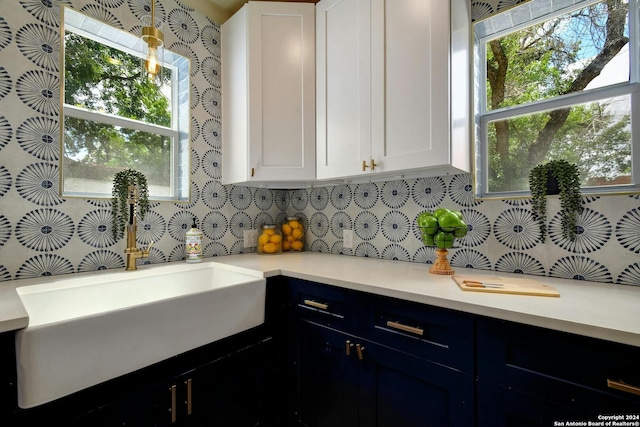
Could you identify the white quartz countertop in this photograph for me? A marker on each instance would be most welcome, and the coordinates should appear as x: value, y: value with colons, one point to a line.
x: 598, y: 310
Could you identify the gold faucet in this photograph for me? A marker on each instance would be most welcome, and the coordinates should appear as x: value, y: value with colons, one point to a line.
x: 132, y: 252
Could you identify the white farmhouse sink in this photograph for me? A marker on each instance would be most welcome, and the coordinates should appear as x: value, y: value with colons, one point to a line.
x: 87, y: 328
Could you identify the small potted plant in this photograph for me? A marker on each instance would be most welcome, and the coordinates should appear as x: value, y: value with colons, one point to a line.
x: 121, y: 210
x: 562, y: 178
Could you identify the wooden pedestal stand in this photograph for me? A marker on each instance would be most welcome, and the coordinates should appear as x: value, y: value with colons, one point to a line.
x: 441, y: 264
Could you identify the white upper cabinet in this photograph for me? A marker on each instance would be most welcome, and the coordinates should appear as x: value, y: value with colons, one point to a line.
x: 343, y: 81
x: 268, y: 95
x: 392, y: 88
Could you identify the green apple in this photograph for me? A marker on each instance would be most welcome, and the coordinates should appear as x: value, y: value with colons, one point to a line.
x: 448, y: 221
x: 461, y: 231
x: 429, y: 225
x: 429, y: 239
x: 443, y: 240
x: 440, y: 211
x: 424, y: 216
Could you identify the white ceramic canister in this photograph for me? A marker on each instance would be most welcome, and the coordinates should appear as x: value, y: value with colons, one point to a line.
x: 193, y: 244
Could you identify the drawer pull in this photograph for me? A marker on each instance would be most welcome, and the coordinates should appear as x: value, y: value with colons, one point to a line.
x: 315, y: 304
x: 173, y: 411
x: 360, y: 350
x: 349, y: 346
x: 627, y: 388
x: 405, y: 328
x: 189, y: 397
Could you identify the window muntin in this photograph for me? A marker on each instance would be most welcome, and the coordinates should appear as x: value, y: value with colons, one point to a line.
x: 114, y: 120
x: 546, y: 107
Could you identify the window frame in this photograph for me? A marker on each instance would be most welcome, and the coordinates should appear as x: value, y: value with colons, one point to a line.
x: 483, y: 116
x: 178, y: 132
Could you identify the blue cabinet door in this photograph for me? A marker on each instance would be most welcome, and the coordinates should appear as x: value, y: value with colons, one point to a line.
x: 398, y: 389
x: 550, y: 366
x: 500, y: 406
x: 373, y: 385
x: 226, y: 392
x: 327, y: 378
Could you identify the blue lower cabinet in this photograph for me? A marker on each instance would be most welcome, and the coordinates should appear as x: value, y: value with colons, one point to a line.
x: 398, y: 389
x: 352, y: 371
x: 224, y: 392
x: 227, y: 392
x: 8, y: 389
x: 552, y: 376
x: 500, y: 406
x: 327, y: 377
x: 347, y: 381
x: 149, y: 406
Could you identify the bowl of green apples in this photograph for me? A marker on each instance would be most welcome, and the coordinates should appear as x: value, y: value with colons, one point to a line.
x: 440, y: 229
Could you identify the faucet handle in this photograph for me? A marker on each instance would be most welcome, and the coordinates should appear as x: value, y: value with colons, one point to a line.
x: 148, y: 247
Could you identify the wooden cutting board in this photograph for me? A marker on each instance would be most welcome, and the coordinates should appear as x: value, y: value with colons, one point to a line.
x: 509, y: 286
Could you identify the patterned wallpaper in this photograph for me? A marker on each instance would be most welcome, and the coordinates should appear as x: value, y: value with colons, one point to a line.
x: 484, y: 9
x: 42, y: 234
x: 502, y: 234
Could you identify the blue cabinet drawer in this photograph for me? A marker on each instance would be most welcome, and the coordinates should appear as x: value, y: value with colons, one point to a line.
x: 324, y: 304
x: 540, y: 362
x: 437, y: 334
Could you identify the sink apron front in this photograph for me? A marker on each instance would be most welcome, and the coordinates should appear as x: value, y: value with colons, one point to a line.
x: 83, y: 331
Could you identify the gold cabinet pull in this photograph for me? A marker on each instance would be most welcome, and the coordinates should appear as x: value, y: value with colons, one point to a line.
x: 405, y: 328
x: 349, y: 346
x: 173, y: 404
x: 622, y: 386
x: 315, y: 304
x: 189, y: 400
x: 253, y: 172
x: 365, y: 165
x: 360, y: 351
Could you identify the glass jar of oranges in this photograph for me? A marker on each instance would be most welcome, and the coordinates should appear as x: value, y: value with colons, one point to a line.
x: 292, y: 234
x: 270, y: 240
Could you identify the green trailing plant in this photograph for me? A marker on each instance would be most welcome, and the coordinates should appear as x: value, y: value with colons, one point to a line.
x: 568, y: 178
x: 120, y: 195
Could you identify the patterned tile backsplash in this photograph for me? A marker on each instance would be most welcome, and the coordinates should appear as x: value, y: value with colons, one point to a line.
x: 502, y: 234
x: 483, y: 9
x: 42, y: 234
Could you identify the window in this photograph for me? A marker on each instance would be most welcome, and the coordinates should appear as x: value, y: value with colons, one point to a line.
x: 114, y: 119
x: 558, y: 82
